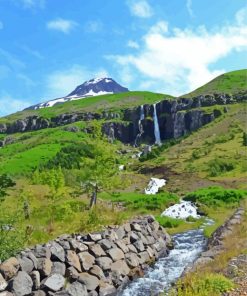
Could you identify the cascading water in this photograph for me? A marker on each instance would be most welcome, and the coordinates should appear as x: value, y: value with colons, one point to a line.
x: 141, y: 131
x: 156, y: 127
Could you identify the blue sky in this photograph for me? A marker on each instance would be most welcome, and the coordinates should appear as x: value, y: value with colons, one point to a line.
x: 48, y: 47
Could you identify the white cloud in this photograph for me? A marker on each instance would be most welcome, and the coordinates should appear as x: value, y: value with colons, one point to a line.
x: 140, y: 8
x: 189, y: 7
x: 31, y: 4
x: 133, y: 44
x: 61, y: 83
x: 93, y: 26
x: 9, y: 104
x: 1, y: 25
x: 177, y: 61
x: 32, y: 52
x: 61, y: 25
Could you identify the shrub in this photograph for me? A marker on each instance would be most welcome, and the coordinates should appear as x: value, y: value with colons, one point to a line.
x: 245, y: 139
x: 215, y: 196
x: 219, y: 166
x: 168, y: 222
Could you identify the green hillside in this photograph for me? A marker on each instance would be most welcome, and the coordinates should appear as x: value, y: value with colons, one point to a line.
x: 114, y: 102
x: 230, y: 83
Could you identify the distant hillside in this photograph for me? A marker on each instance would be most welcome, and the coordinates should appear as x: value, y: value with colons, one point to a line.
x: 231, y: 83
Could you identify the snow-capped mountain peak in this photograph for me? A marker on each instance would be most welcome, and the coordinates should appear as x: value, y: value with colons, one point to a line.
x: 90, y: 88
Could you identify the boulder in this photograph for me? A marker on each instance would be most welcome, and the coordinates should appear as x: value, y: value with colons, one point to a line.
x: 97, y: 271
x: 91, y: 281
x: 21, y: 284
x: 39, y: 293
x: 122, y: 246
x: 106, y: 244
x: 35, y: 276
x: 95, y: 237
x: 133, y: 237
x: 121, y: 267
x: 120, y: 232
x: 132, y: 248
x: 104, y: 262
x: 58, y: 267
x: 106, y: 289
x: 87, y: 260
x: 71, y: 273
x: 77, y: 289
x: 3, y: 283
x: 55, y: 282
x: 9, y: 268
x: 42, y: 251
x: 143, y: 257
x: 44, y: 266
x: 73, y: 260
x: 78, y: 246
x: 26, y: 264
x: 132, y: 260
x: 139, y: 246
x: 6, y: 293
x: 57, y: 251
x: 116, y: 254
x: 97, y: 251
x: 135, y: 227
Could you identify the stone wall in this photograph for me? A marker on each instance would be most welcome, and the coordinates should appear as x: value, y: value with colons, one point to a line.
x: 79, y: 265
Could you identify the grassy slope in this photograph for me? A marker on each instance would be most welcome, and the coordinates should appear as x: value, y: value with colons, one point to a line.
x: 231, y: 82
x: 115, y: 102
x: 187, y: 165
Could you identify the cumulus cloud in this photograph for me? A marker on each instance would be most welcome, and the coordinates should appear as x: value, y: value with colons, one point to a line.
x: 61, y: 83
x: 133, y: 44
x: 62, y: 25
x: 177, y: 61
x: 9, y: 104
x: 93, y: 26
x: 140, y: 8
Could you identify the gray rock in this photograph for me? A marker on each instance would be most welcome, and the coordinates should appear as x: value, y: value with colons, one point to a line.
x: 121, y: 267
x: 97, y: 251
x: 71, y: 273
x: 57, y: 251
x: 106, y: 289
x: 95, y: 236
x: 55, y: 282
x: 78, y: 246
x: 21, y: 284
x: 31, y: 256
x: 150, y: 240
x: 9, y: 268
x: 73, y: 260
x: 6, y: 293
x: 35, y: 276
x: 104, y: 262
x: 87, y: 260
x: 122, y: 246
x: 150, y: 252
x: 77, y: 289
x: 3, y: 283
x: 44, y: 266
x: 133, y: 237
x: 135, y: 227
x: 92, y: 293
x: 143, y: 257
x: 132, y: 248
x: 39, y: 293
x: 116, y: 254
x: 139, y: 246
x: 65, y: 244
x: 120, y: 232
x: 127, y: 227
x: 91, y: 281
x: 58, y: 267
x: 26, y: 264
x: 132, y: 260
x: 41, y: 251
x: 106, y: 244
x: 97, y: 271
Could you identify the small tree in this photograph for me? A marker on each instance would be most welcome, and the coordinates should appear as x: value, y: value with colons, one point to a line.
x: 245, y: 139
x: 5, y: 183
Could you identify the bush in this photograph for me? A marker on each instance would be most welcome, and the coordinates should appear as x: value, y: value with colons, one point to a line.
x: 210, y: 284
x: 219, y: 166
x: 216, y: 196
x: 168, y: 222
x: 245, y: 139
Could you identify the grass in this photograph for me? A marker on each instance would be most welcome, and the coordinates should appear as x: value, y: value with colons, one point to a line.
x: 114, y: 103
x: 231, y: 83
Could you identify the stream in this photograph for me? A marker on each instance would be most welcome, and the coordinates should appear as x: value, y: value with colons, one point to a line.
x: 167, y: 270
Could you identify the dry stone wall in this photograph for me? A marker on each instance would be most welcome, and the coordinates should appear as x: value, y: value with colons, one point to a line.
x: 80, y: 265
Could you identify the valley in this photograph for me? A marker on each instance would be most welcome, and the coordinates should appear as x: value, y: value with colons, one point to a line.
x: 109, y: 147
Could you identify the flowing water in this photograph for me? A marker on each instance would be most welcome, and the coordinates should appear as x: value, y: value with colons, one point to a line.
x: 141, y: 131
x: 159, y: 277
x: 156, y: 127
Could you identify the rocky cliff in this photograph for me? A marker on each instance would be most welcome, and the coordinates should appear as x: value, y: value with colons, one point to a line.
x: 176, y: 118
x: 81, y: 265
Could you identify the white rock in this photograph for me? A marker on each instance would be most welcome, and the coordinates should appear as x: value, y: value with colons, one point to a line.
x: 154, y: 185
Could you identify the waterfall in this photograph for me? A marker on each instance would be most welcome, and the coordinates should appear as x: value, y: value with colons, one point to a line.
x: 141, y: 131
x: 156, y: 127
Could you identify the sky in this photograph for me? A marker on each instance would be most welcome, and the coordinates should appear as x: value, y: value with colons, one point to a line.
x: 48, y: 47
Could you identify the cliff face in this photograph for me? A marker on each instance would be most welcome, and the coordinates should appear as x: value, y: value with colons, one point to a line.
x: 175, y: 117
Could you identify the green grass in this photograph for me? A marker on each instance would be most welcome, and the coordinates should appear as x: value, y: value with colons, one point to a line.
x: 114, y: 103
x: 231, y: 83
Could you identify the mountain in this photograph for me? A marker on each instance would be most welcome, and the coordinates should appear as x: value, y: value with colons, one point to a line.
x: 233, y: 82
x: 90, y: 88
